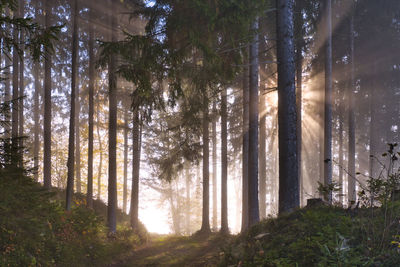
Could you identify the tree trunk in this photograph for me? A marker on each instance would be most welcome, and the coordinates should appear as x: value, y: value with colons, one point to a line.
x: 99, y: 171
x: 89, y: 193
x: 134, y: 210
x: 262, y: 160
x: 188, y: 206
x: 205, y: 224
x: 36, y: 115
x: 125, y: 186
x: 351, y: 182
x: 328, y: 99
x: 7, y: 93
x: 78, y: 141
x: 15, y: 94
x: 112, y: 138
x: 341, y: 118
x: 21, y: 85
x: 299, y: 80
x: 372, y: 126
x: 214, y: 169
x: 224, y: 163
x: 245, y: 152
x: 253, y: 130
x: 70, y: 162
x: 47, y: 108
x: 288, y: 168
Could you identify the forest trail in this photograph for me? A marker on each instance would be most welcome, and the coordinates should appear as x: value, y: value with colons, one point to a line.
x: 177, y: 251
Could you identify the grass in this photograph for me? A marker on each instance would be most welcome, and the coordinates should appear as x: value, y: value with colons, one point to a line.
x: 320, y: 236
x: 35, y: 229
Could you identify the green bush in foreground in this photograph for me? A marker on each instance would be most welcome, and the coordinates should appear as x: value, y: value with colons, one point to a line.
x: 367, y: 235
x: 324, y: 236
x: 37, y: 231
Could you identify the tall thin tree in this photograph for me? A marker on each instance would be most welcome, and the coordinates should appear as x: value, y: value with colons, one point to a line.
x: 125, y: 185
x: 262, y: 159
x: 15, y: 85
x: 224, y: 162
x: 112, y: 136
x: 299, y: 84
x: 71, y: 139
x: 136, y: 137
x: 245, y: 152
x: 205, y: 222
x: 36, y: 114
x: 253, y: 129
x: 78, y: 141
x: 21, y: 82
x: 214, y: 167
x: 47, y: 106
x: 328, y: 98
x: 288, y: 164
x: 89, y: 193
x: 351, y: 182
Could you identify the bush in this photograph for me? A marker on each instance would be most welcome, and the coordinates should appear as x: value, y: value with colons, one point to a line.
x: 36, y: 230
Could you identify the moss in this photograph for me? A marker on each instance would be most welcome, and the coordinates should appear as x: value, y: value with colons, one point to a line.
x: 320, y: 236
x: 35, y: 230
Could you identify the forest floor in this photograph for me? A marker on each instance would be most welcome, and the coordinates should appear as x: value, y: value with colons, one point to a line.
x: 177, y: 251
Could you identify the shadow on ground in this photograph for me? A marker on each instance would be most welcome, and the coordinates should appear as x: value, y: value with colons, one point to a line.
x: 177, y: 251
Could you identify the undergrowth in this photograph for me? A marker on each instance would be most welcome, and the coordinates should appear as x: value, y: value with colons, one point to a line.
x: 327, y: 235
x: 35, y: 229
x: 321, y: 236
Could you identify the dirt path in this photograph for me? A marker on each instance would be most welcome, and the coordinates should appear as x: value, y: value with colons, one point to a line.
x: 177, y: 251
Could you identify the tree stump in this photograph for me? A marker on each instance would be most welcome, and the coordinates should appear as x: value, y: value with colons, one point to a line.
x: 314, y: 202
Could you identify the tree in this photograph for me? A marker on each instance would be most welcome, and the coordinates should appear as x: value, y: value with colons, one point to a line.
x: 15, y: 92
x: 299, y: 84
x: 253, y: 129
x: 245, y: 152
x: 328, y: 98
x: 214, y: 166
x: 288, y: 168
x: 77, y: 141
x: 262, y: 129
x: 21, y: 84
x: 136, y: 136
x: 351, y: 182
x: 71, y: 140
x: 125, y: 185
x: 89, y: 194
x: 112, y: 137
x: 47, y: 107
x: 224, y: 162
x: 36, y: 113
x: 205, y: 222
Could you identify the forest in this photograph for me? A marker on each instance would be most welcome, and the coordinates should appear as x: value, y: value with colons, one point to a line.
x: 199, y: 133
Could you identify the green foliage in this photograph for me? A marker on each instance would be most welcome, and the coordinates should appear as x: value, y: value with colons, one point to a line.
x: 323, y: 236
x: 37, y: 231
x: 36, y: 37
x: 326, y: 190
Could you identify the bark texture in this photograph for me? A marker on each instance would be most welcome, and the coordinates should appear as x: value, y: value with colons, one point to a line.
x: 71, y: 140
x: 253, y: 129
x: 224, y: 163
x: 47, y: 107
x: 89, y: 193
x: 214, y: 169
x: 351, y: 182
x: 328, y: 98
x: 205, y: 222
x: 288, y: 164
x: 112, y: 138
x: 134, y: 211
x: 245, y: 152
